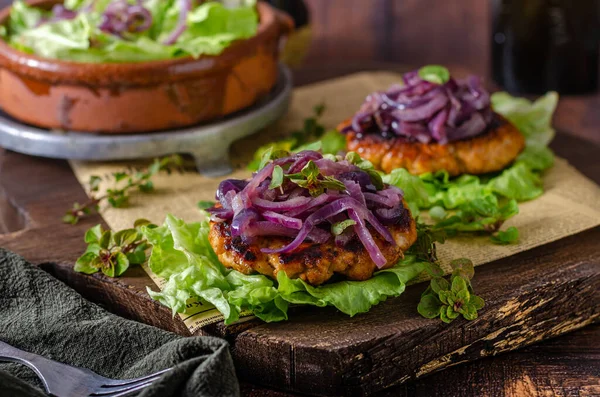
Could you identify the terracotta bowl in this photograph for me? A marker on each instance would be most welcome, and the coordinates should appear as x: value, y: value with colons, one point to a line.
x: 140, y: 97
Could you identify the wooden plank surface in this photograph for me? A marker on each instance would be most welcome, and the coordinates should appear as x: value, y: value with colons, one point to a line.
x: 568, y: 366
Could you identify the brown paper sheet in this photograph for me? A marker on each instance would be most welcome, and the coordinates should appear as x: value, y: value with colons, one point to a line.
x: 569, y: 205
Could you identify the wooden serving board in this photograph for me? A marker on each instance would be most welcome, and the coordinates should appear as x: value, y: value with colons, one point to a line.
x: 529, y: 297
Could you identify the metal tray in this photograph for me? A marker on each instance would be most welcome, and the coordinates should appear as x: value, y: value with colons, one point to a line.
x: 208, y: 143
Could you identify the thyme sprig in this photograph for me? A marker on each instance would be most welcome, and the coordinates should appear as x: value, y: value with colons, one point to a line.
x: 124, y: 182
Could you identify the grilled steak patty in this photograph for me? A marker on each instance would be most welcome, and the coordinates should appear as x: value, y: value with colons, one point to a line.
x: 313, y: 263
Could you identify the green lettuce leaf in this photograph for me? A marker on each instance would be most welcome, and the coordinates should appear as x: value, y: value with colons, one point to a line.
x: 537, y: 158
x: 23, y: 17
x: 517, y: 182
x: 211, y: 27
x: 484, y: 214
x: 352, y: 297
x: 533, y: 119
x: 416, y: 192
x: 182, y: 255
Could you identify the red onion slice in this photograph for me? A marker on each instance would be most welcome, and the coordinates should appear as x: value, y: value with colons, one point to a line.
x: 365, y: 237
x: 289, y: 211
x: 184, y: 8
x: 287, y: 221
x: 426, y: 112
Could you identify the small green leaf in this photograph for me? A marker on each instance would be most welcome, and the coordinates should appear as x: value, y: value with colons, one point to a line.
x: 463, y: 267
x: 276, y: 178
x: 94, y: 234
x: 458, y: 284
x: 94, y: 183
x: 308, y: 146
x: 155, y: 167
x: 266, y: 157
x: 445, y: 297
x: 119, y: 176
x: 434, y: 74
x: 469, y: 312
x: 353, y: 158
x: 146, y: 187
x: 476, y: 302
x: 339, y: 227
x: 204, y: 205
x: 138, y: 256
x: 70, y: 218
x: 434, y: 270
x: 141, y: 222
x: 450, y: 313
x: 332, y: 142
x: 376, y: 178
x: 439, y: 284
x: 319, y: 109
x: 118, y: 201
x: 463, y: 295
x: 437, y: 213
x: 84, y: 263
x: 444, y: 315
x: 105, y: 239
x: 125, y: 237
x: 330, y: 182
x: 310, y: 170
x: 109, y: 271
x: 94, y: 248
x: 429, y: 306
x: 121, y: 264
x: 509, y: 236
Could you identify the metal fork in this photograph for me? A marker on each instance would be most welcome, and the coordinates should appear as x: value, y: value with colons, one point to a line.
x: 63, y: 380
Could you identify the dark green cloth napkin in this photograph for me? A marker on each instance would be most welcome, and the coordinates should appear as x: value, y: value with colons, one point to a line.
x: 42, y: 315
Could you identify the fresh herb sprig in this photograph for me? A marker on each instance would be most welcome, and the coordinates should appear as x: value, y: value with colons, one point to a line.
x: 113, y: 253
x: 445, y: 298
x: 450, y: 298
x: 123, y: 183
x: 311, y: 178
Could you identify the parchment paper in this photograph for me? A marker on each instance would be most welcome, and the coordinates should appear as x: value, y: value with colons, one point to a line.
x: 569, y: 205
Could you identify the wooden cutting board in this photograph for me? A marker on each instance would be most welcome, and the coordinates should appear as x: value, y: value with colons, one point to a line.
x: 529, y: 297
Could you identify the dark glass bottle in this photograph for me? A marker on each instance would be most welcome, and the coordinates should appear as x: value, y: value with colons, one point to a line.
x: 298, y: 42
x: 542, y: 45
x: 296, y: 8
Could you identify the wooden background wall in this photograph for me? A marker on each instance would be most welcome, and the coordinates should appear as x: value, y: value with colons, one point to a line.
x: 453, y: 32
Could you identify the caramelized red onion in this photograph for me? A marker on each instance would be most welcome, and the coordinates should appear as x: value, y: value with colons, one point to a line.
x: 184, y: 8
x: 426, y: 112
x: 253, y: 209
x: 120, y: 17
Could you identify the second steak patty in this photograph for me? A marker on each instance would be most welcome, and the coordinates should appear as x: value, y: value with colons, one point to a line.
x: 489, y: 152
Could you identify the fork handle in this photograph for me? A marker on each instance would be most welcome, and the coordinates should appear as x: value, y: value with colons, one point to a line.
x: 12, y: 354
x: 54, y: 375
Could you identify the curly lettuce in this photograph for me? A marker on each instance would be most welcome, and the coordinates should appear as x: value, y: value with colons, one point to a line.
x: 211, y: 27
x: 182, y: 255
